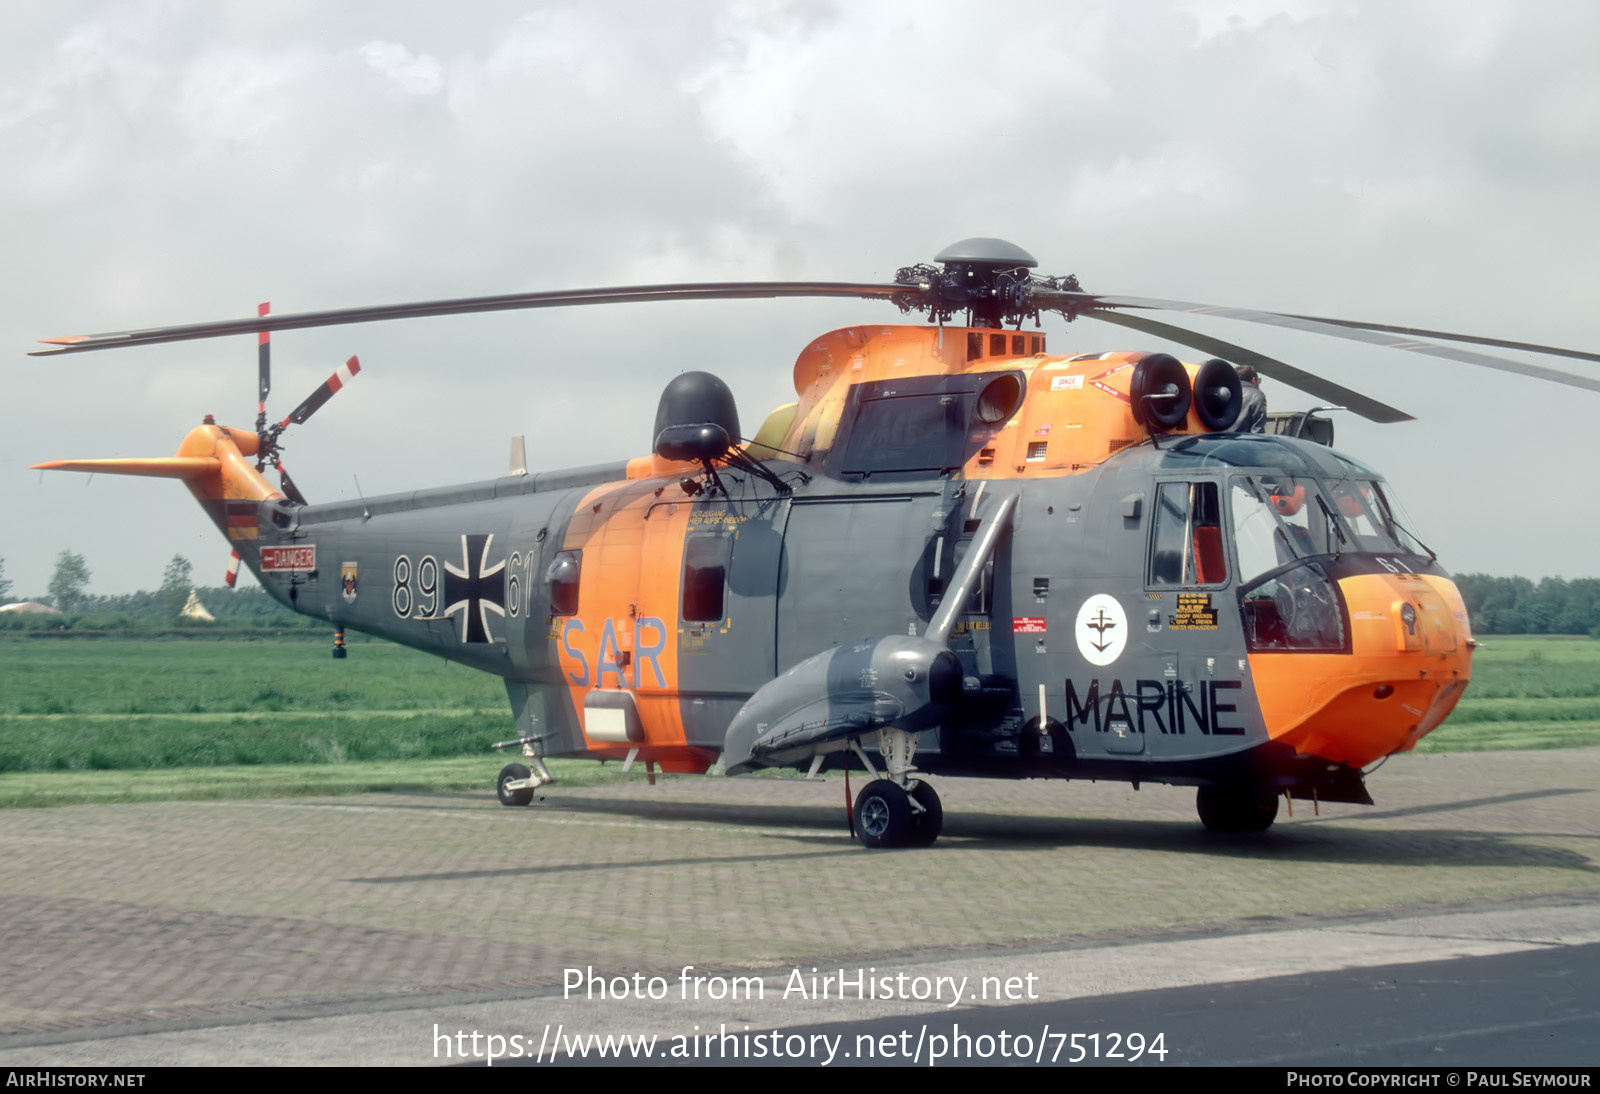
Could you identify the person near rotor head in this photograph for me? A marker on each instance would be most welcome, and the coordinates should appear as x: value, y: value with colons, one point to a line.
x: 1253, y: 404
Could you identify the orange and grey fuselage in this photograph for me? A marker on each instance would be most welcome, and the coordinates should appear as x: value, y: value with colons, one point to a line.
x: 1206, y: 608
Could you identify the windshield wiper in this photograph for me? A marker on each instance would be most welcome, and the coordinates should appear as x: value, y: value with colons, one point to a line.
x: 1334, y: 524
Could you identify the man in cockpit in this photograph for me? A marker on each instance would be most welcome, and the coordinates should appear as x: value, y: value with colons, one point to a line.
x: 1253, y: 406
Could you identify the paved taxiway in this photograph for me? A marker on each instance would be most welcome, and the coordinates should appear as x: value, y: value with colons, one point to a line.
x: 347, y: 930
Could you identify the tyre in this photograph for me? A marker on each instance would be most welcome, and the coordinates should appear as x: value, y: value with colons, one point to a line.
x: 1231, y: 809
x: 883, y: 815
x: 511, y: 773
x: 928, y: 823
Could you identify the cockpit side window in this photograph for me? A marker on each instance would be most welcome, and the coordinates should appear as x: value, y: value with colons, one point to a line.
x: 1186, y: 543
x: 1261, y: 544
x: 1279, y: 518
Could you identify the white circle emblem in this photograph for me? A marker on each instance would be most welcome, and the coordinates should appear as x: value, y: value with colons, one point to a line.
x: 1102, y: 629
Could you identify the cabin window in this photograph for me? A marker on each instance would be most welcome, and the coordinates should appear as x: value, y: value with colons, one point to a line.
x: 1186, y: 539
x: 705, y: 576
x: 562, y: 578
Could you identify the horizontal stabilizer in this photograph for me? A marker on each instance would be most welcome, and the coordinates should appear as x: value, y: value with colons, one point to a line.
x: 158, y: 467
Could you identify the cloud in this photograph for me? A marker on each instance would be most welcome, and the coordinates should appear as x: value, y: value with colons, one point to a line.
x: 165, y: 162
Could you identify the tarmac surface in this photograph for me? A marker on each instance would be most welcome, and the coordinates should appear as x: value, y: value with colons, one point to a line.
x: 355, y: 930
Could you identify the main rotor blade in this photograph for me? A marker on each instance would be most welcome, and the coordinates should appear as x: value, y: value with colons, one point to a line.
x: 720, y: 290
x: 1477, y: 340
x: 1304, y: 381
x: 1373, y: 334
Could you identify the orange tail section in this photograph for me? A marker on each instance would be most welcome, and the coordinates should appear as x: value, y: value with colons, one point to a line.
x: 212, y: 462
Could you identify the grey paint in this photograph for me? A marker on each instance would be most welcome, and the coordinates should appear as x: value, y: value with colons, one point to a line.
x: 842, y: 565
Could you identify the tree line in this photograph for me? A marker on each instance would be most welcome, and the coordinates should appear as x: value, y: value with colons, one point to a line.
x: 1516, y: 605
x: 68, y: 591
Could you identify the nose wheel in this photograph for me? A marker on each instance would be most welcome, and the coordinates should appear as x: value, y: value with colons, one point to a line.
x: 1235, y: 809
x: 886, y: 815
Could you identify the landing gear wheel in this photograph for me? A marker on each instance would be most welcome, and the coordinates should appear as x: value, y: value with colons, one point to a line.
x: 883, y: 815
x: 1228, y: 809
x: 926, y: 824
x: 511, y: 773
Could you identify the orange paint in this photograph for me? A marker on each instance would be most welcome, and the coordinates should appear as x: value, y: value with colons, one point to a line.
x: 1385, y: 694
x: 1074, y: 414
x: 632, y: 544
x: 210, y: 461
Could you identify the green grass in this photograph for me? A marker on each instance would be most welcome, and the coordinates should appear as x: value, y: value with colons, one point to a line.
x: 118, y: 705
x: 1527, y: 691
x: 117, y: 677
x: 116, y: 720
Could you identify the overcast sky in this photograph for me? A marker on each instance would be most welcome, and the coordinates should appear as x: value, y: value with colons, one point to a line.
x: 1428, y: 163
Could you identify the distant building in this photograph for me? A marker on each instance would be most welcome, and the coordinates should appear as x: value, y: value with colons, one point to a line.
x: 193, y: 609
x: 31, y: 607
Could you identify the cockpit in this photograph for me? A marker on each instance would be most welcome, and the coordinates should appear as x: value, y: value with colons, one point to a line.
x: 1297, y: 519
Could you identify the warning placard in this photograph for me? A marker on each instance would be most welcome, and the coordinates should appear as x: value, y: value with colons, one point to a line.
x: 1194, y: 613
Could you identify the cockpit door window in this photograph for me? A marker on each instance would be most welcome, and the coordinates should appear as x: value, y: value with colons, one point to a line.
x: 1186, y: 542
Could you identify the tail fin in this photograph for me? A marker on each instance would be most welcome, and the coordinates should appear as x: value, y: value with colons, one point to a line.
x: 211, y: 462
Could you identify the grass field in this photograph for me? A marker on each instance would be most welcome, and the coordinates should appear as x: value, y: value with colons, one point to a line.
x: 1527, y: 691
x: 110, y: 719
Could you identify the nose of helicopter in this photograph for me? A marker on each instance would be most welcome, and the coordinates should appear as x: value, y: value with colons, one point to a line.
x: 1409, y: 660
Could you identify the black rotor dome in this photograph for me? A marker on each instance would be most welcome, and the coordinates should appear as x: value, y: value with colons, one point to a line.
x: 986, y: 251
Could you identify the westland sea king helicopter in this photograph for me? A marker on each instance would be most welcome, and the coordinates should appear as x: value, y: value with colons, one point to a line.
x: 956, y: 553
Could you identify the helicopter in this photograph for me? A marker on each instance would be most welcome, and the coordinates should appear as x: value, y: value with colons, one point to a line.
x: 955, y: 553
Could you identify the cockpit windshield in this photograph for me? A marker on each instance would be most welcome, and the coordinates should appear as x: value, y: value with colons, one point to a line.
x: 1279, y: 518
x: 1366, y: 511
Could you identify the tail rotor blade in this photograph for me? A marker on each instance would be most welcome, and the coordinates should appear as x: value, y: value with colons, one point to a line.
x: 232, y: 576
x: 290, y: 490
x: 329, y: 388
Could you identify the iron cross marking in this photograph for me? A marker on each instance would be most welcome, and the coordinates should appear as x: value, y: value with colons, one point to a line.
x: 1101, y: 624
x: 474, y: 589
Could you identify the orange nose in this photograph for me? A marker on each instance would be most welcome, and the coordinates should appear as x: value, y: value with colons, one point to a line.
x: 1410, y: 659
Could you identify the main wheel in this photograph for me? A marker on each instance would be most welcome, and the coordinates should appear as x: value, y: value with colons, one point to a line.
x: 883, y: 815
x: 1229, y: 809
x: 928, y: 823
x: 511, y: 773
